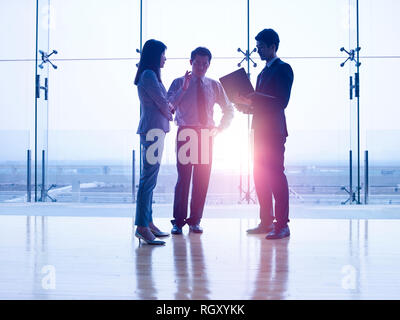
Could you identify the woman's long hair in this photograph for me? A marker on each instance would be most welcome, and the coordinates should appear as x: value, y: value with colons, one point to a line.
x: 150, y: 58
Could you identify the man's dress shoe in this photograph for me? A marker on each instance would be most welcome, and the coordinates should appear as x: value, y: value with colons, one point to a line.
x: 278, y: 233
x: 176, y: 230
x: 195, y: 228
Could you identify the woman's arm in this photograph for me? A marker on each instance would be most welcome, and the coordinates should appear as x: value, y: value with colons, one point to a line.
x: 156, y: 92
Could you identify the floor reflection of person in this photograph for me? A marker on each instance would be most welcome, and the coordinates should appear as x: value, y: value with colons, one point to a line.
x: 191, y: 283
x: 273, y: 271
x: 144, y: 274
x: 181, y: 269
x: 199, y: 277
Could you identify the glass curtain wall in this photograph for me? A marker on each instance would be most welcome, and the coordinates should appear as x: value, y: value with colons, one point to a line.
x: 87, y: 127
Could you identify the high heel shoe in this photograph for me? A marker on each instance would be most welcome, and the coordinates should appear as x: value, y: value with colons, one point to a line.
x: 148, y: 241
x: 158, y: 233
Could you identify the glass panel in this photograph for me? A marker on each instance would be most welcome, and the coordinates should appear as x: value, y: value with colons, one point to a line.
x: 16, y: 96
x: 42, y: 98
x: 221, y: 26
x: 317, y: 146
x: 308, y: 28
x: 17, y: 34
x: 92, y: 131
x: 379, y: 27
x: 317, y: 115
x: 230, y: 153
x: 16, y: 92
x: 94, y: 108
x: 95, y: 28
x: 356, y: 137
x: 380, y: 120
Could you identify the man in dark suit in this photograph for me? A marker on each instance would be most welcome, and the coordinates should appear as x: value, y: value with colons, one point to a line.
x: 268, y: 104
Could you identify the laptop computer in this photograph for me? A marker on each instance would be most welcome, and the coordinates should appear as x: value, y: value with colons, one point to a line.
x: 236, y: 83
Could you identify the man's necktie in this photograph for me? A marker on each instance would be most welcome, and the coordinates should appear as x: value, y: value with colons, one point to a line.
x: 201, y: 103
x: 259, y: 78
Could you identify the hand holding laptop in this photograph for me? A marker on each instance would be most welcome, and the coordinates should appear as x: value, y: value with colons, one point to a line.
x: 243, y: 104
x: 239, y: 90
x: 236, y: 84
x: 242, y: 100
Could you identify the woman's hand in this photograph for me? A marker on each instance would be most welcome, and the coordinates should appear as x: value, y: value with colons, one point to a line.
x: 186, y: 81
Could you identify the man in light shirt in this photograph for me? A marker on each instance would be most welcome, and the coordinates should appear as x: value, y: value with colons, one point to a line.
x: 194, y: 102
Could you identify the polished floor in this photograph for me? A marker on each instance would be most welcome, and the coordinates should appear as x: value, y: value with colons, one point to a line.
x: 99, y: 258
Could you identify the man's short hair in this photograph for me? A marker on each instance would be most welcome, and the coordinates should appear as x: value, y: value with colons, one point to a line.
x: 200, y: 51
x: 269, y: 37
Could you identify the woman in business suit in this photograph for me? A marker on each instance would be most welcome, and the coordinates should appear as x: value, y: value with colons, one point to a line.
x: 156, y: 112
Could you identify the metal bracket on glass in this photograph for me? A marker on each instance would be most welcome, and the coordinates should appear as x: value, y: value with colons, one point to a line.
x: 356, y: 85
x: 246, y: 195
x: 45, y: 194
x: 45, y: 58
x: 247, y: 57
x: 352, y: 195
x: 39, y: 87
x: 351, y: 56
